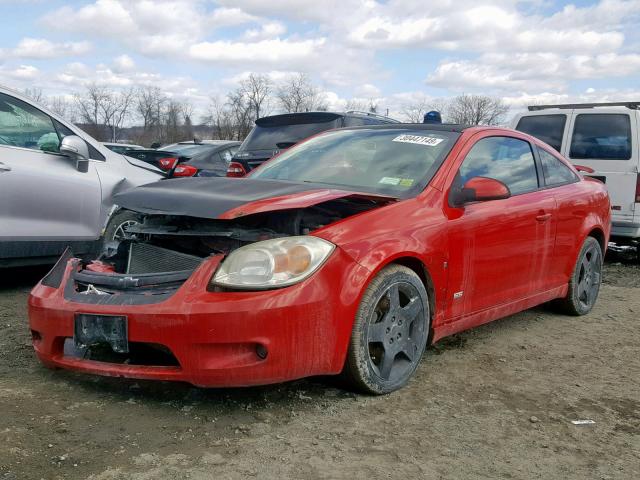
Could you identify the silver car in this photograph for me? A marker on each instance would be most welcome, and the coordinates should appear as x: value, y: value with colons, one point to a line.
x: 57, y: 185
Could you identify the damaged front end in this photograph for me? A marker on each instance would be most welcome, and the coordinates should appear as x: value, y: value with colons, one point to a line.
x: 163, y: 251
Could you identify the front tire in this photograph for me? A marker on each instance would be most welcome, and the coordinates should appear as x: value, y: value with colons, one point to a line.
x: 389, y: 333
x: 584, y: 284
x: 116, y: 230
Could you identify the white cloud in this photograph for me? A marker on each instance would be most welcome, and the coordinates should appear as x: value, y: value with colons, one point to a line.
x: 266, y: 31
x: 123, y: 63
x: 39, y: 48
x: 530, y: 71
x: 264, y: 51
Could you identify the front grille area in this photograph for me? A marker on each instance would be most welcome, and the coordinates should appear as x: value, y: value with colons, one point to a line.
x: 139, y: 354
x: 147, y: 258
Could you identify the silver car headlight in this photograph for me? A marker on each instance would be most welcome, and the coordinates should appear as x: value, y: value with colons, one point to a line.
x: 272, y: 263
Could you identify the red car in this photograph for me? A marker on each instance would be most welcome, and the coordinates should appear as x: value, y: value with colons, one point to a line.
x: 347, y: 254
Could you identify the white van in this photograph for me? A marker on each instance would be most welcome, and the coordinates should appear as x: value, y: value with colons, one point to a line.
x: 604, y: 137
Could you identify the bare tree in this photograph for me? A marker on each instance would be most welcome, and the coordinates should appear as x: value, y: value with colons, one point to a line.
x: 89, y: 105
x: 116, y: 109
x: 149, y: 105
x: 256, y: 89
x: 476, y: 110
x: 357, y: 104
x: 298, y: 94
x: 63, y: 107
x: 220, y: 119
x: 415, y: 110
x: 35, y: 94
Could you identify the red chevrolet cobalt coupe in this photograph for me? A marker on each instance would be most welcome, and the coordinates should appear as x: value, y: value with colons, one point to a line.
x: 347, y: 254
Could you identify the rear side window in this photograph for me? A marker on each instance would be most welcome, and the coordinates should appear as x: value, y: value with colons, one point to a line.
x: 555, y: 172
x: 507, y: 159
x: 602, y: 136
x: 548, y: 128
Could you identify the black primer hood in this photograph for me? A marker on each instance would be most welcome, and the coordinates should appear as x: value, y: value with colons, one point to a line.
x: 211, y: 197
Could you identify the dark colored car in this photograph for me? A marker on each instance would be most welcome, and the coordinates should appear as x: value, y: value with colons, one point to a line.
x: 347, y: 254
x: 204, y: 158
x: 273, y: 134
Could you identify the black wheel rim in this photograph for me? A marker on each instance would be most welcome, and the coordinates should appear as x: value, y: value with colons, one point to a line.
x: 589, y: 277
x: 396, y: 332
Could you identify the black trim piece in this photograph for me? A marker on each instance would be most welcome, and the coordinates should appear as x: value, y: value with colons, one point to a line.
x: 124, y: 281
x: 54, y: 277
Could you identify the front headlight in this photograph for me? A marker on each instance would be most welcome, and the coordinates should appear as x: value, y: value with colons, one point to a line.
x: 272, y: 263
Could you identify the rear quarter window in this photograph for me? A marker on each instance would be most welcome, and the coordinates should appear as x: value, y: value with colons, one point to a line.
x: 548, y: 128
x: 601, y: 136
x: 554, y: 170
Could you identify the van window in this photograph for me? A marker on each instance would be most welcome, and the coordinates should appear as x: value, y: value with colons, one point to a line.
x: 548, y: 128
x: 602, y: 136
x: 555, y: 172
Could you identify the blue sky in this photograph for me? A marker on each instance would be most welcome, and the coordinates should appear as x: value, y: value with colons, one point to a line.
x: 395, y: 52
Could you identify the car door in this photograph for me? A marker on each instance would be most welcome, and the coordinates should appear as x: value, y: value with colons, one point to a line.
x: 499, y: 250
x: 44, y: 199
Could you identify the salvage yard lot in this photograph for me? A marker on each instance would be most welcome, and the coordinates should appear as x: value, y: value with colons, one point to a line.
x: 495, y: 402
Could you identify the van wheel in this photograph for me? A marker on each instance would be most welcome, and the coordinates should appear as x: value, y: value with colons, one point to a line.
x: 389, y: 333
x: 584, y: 284
x: 117, y: 227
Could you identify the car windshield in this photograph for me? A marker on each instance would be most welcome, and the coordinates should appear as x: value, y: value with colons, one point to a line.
x: 283, y: 136
x: 396, y: 162
x: 188, y: 149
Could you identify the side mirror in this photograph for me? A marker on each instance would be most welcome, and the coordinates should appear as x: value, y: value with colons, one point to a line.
x: 76, y: 148
x: 480, y: 189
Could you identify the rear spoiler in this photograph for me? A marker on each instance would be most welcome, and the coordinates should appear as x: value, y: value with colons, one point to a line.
x: 297, y: 119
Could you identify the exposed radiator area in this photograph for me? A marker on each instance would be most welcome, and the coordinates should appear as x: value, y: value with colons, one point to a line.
x: 146, y: 258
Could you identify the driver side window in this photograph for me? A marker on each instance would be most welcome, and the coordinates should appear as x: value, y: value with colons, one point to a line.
x: 22, y: 125
x: 509, y: 160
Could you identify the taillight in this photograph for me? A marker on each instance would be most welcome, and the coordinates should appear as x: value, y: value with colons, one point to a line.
x: 638, y: 189
x: 185, y: 171
x: 167, y: 163
x: 236, y: 169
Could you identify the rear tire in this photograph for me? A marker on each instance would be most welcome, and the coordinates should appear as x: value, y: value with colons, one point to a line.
x: 585, y: 281
x: 389, y: 332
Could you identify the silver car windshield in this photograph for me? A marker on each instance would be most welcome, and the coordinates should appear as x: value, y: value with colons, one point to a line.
x: 394, y: 161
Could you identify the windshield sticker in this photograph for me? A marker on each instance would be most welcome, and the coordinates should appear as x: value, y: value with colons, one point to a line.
x: 419, y: 140
x: 403, y: 182
x: 389, y: 180
x: 406, y: 182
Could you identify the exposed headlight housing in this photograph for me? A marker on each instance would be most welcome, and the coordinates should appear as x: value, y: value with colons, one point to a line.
x: 272, y: 263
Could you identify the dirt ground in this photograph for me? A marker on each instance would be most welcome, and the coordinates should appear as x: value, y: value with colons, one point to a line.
x: 495, y: 402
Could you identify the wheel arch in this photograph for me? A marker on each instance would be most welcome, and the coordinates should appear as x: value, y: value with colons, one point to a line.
x: 598, y: 234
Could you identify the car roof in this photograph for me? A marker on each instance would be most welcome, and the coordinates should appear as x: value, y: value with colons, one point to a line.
x: 208, y: 142
x: 121, y: 144
x: 443, y: 127
x: 316, y: 117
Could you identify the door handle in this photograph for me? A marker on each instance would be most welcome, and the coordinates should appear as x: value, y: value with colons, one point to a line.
x: 543, y: 217
x: 4, y: 168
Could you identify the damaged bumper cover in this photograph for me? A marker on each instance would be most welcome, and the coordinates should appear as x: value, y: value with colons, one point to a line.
x: 217, y: 338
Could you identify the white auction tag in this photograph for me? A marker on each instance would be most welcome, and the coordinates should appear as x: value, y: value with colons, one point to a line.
x: 418, y: 140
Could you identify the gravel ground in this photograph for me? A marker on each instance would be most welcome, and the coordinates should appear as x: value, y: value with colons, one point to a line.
x: 494, y: 402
